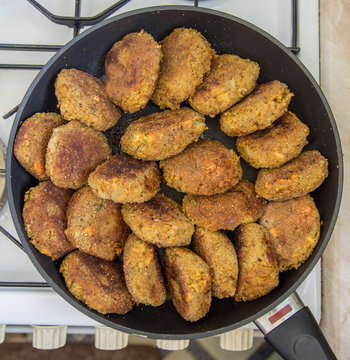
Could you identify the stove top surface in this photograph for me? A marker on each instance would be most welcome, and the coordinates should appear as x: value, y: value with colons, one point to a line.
x: 25, y: 25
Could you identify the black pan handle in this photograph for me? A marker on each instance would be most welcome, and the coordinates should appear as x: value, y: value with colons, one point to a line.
x: 293, y: 332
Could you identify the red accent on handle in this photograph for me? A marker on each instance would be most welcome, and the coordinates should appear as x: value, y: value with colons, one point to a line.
x: 275, y: 317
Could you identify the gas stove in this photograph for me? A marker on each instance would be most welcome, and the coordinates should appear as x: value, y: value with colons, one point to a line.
x: 28, y: 40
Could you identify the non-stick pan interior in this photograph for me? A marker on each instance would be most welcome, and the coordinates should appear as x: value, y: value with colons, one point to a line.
x: 226, y: 35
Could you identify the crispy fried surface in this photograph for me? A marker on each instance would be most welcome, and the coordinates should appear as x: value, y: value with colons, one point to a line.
x: 95, y: 226
x: 188, y: 282
x: 296, y: 178
x: 132, y: 69
x: 100, y: 284
x: 258, y: 110
x: 124, y: 179
x: 258, y: 271
x: 203, y: 168
x: 218, y: 252
x: 163, y: 134
x: 294, y: 227
x: 230, y: 79
x: 275, y: 145
x: 73, y: 152
x: 236, y: 206
x: 143, y: 274
x: 159, y: 221
x: 44, y: 217
x: 186, y: 59
x: 82, y: 97
x: 31, y: 142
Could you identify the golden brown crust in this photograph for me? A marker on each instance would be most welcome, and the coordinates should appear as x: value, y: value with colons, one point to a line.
x: 44, y: 217
x: 275, y: 145
x: 203, y: 168
x: 163, y: 134
x: 81, y: 97
x: 258, y: 271
x: 31, y: 142
x: 294, y: 227
x: 132, y: 69
x: 73, y: 152
x: 143, y: 274
x: 296, y: 178
x: 124, y: 179
x: 236, y: 206
x: 218, y: 252
x: 95, y: 226
x: 230, y: 79
x: 186, y: 59
x: 258, y: 110
x: 159, y: 221
x: 99, y: 283
x: 188, y: 282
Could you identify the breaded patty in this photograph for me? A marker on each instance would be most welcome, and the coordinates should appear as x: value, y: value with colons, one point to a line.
x: 186, y: 59
x: 82, y: 97
x: 258, y: 270
x: 296, y: 178
x: 230, y: 79
x: 294, y: 227
x: 275, y: 145
x: 31, y: 142
x: 159, y: 221
x: 163, y: 134
x: 99, y: 283
x: 44, y: 217
x: 188, y: 281
x: 226, y: 211
x: 73, y: 152
x: 95, y: 226
x: 143, y: 274
x: 124, y: 179
x: 218, y: 252
x: 132, y: 69
x: 203, y: 168
x: 257, y: 111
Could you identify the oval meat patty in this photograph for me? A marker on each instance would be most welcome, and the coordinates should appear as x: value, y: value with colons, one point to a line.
x: 132, y: 69
x: 186, y: 59
x: 296, y: 178
x: 99, y: 283
x: 31, y: 142
x: 143, y: 273
x: 73, y: 152
x: 124, y: 179
x: 82, y: 97
x: 218, y: 252
x: 294, y: 227
x: 95, y: 225
x: 203, y: 168
x: 275, y: 145
x: 159, y: 221
x: 230, y: 79
x: 163, y: 134
x: 44, y: 217
x: 226, y: 211
x: 188, y: 281
x: 257, y: 111
x: 258, y: 271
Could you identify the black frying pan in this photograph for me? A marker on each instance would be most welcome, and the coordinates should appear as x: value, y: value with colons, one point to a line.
x: 227, y: 34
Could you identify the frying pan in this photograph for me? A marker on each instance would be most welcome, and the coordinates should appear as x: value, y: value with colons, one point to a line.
x: 299, y: 334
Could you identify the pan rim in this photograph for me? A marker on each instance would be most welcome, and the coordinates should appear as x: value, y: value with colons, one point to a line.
x: 91, y: 313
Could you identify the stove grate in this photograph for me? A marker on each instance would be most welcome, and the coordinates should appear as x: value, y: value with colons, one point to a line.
x: 77, y: 22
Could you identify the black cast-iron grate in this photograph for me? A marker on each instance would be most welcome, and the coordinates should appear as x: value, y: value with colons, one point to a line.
x: 77, y: 22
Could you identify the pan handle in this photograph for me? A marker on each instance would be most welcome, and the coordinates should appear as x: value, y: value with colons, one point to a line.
x: 293, y: 332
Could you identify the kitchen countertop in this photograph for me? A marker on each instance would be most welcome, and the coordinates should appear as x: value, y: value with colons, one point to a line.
x: 335, y: 82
